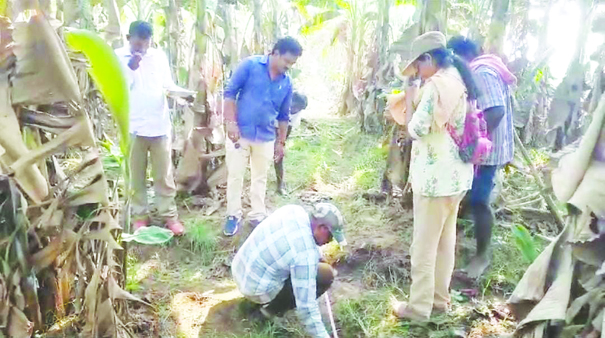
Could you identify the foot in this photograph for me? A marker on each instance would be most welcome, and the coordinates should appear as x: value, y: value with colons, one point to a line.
x: 276, y: 318
x: 281, y: 188
x: 255, y: 222
x: 403, y: 311
x: 231, y: 226
x: 258, y: 316
x: 266, y: 313
x: 140, y: 223
x: 176, y: 227
x: 477, y: 266
x: 440, y: 310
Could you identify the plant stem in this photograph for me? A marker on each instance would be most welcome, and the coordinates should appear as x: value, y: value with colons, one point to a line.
x: 552, y: 207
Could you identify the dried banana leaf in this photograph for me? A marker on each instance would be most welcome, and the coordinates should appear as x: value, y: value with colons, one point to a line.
x: 44, y: 74
x: 572, y: 167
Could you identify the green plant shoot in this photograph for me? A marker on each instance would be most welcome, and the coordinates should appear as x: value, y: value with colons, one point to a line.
x: 108, y: 75
x: 525, y: 242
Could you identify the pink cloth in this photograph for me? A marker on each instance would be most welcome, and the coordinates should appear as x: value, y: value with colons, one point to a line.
x: 495, y: 63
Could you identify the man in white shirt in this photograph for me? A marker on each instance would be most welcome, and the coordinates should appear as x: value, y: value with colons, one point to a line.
x: 149, y: 78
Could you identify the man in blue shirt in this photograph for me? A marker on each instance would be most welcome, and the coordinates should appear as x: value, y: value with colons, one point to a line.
x: 258, y: 93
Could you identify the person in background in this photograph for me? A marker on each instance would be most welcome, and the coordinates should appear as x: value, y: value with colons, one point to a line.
x: 149, y: 78
x: 494, y: 80
x: 279, y: 267
x: 439, y: 178
x: 258, y: 94
x: 299, y: 103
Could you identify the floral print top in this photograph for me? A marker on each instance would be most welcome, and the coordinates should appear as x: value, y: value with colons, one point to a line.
x: 436, y: 169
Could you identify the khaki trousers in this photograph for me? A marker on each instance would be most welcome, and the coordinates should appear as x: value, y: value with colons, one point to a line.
x: 260, y: 156
x: 159, y: 150
x: 433, y: 252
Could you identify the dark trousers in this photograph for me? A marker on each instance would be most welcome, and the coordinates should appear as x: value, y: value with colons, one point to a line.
x: 285, y: 300
x: 479, y: 200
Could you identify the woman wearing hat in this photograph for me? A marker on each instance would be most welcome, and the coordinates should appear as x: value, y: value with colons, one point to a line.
x: 439, y: 178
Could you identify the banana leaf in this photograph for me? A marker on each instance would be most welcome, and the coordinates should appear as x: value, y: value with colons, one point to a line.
x: 108, y: 75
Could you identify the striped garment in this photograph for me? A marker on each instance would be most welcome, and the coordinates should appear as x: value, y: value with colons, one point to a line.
x: 496, y: 93
x: 282, y: 246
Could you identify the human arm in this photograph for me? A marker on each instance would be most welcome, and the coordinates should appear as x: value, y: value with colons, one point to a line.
x: 280, y: 143
x: 493, y: 116
x: 234, y: 86
x: 283, y: 118
x: 411, y: 93
x: 420, y: 123
x: 304, y: 285
x: 493, y: 99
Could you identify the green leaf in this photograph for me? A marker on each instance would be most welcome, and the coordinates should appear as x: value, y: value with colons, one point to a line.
x: 343, y: 4
x: 108, y: 75
x: 525, y: 242
x: 318, y: 21
x: 539, y: 76
x: 151, y: 235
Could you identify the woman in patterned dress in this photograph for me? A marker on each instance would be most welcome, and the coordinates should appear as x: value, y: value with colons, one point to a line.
x: 439, y: 178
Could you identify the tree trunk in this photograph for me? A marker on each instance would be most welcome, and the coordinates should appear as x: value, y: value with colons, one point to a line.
x: 257, y: 43
x: 565, y: 109
x: 229, y: 47
x: 70, y: 12
x: 537, y: 120
x: 113, y: 30
x: 434, y: 16
x: 173, y: 27
x: 497, y: 28
x: 275, y: 12
x: 191, y: 172
x: 371, y: 116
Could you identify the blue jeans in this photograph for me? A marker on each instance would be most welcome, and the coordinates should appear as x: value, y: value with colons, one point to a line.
x: 483, y: 217
x: 483, y: 184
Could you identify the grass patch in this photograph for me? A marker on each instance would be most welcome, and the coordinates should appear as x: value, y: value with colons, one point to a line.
x: 334, y: 153
x: 371, y: 316
x: 132, y: 282
x: 508, y: 265
x: 202, y: 239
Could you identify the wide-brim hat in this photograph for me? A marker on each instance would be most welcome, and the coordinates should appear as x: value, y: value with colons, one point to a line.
x: 422, y: 44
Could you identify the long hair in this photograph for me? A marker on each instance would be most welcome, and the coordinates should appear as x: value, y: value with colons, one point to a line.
x: 444, y: 58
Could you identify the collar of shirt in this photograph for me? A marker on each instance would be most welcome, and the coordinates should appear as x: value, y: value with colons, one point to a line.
x: 264, y: 60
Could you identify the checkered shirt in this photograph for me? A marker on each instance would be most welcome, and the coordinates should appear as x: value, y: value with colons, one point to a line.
x: 282, y: 246
x: 496, y: 93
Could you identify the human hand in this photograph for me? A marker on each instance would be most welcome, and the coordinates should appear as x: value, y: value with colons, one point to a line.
x: 411, y: 89
x: 233, y: 131
x: 279, y: 151
x: 135, y: 61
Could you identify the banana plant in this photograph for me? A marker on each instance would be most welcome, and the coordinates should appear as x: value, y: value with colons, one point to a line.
x: 69, y: 212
